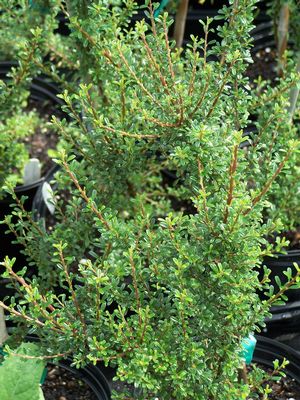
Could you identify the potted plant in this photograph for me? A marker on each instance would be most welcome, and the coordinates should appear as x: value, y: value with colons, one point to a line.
x: 277, y: 385
x: 265, y: 142
x: 164, y: 291
x: 26, y: 374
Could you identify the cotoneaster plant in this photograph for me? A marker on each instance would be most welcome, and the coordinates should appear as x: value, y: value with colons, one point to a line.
x: 165, y: 290
x: 30, y: 37
x: 66, y: 59
x: 275, y: 114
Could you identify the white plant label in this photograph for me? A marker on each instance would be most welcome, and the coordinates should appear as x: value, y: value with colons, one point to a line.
x: 48, y: 197
x: 3, y: 331
x: 32, y: 171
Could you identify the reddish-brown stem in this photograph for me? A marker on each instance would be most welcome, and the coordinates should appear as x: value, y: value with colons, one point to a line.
x: 136, y: 290
x: 73, y: 294
x: 133, y: 74
x: 152, y: 19
x: 216, y: 99
x: 231, y: 22
x: 232, y: 170
x: 200, y: 101
x: 269, y: 183
x: 154, y: 63
x: 20, y: 315
x: 168, y: 48
x: 286, y: 287
x: 194, y: 70
x: 85, y: 197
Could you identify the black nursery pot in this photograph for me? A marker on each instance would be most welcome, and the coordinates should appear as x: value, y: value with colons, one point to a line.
x: 93, y: 375
x: 7, y: 247
x: 278, y: 265
x: 285, y: 320
x: 93, y: 378
x: 263, y: 35
x: 268, y: 350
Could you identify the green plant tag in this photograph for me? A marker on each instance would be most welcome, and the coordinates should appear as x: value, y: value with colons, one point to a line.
x: 248, y: 344
x: 38, y: 7
x: 162, y: 5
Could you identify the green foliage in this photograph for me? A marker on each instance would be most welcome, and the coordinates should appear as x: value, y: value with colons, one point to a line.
x: 275, y: 138
x: 15, y: 36
x: 28, y: 34
x: 158, y: 276
x: 34, y: 38
x: 258, y: 379
x: 20, y: 374
x: 13, y: 153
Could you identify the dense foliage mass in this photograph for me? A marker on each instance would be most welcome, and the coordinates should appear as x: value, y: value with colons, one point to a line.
x: 159, y: 227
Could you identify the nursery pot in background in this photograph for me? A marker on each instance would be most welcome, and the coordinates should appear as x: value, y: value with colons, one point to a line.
x: 285, y: 320
x: 279, y: 264
x: 91, y: 375
x: 265, y: 48
x: 263, y: 36
x: 268, y: 350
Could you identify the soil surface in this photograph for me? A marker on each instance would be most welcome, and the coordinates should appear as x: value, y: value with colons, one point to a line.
x: 121, y: 387
x: 285, y: 389
x: 43, y: 139
x: 294, y: 239
x: 264, y: 65
x: 60, y: 384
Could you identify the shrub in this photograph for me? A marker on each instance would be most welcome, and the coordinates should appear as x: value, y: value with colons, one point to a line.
x: 274, y: 128
x: 64, y: 58
x: 165, y: 291
x: 273, y: 132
